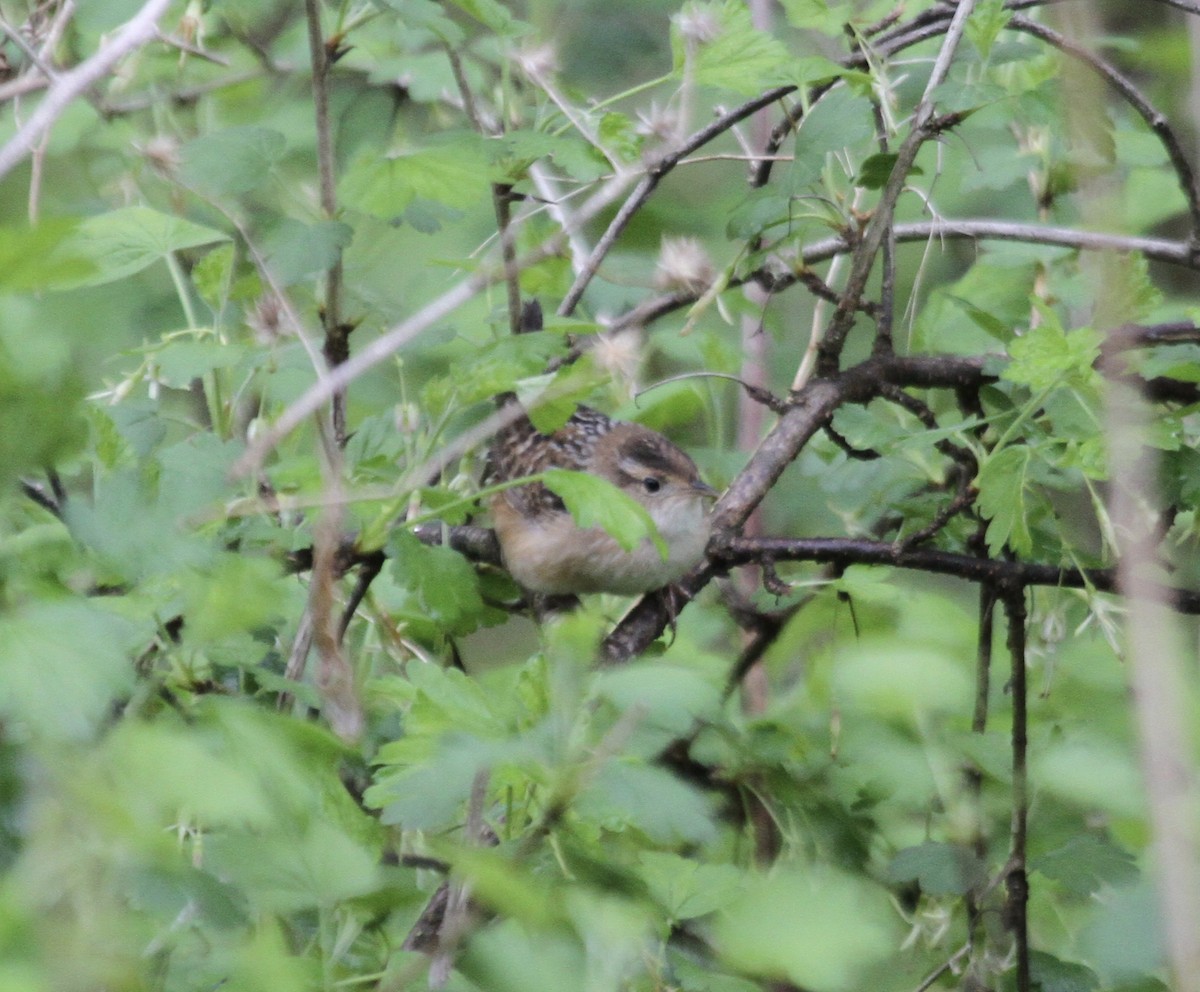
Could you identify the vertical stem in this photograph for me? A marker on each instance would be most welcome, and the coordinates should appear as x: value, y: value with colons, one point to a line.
x: 502, y: 198
x: 983, y: 681
x: 337, y: 344
x: 1162, y: 697
x: 1018, y: 881
x: 751, y: 416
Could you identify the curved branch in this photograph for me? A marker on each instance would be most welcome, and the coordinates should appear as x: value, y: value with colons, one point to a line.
x: 646, y: 185
x: 976, y: 229
x: 134, y: 33
x: 1155, y: 119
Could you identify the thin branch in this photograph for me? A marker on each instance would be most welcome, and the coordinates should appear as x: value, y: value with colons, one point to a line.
x: 730, y: 552
x: 134, y: 33
x: 386, y: 345
x: 337, y: 344
x: 1016, y: 909
x: 924, y: 127
x: 647, y: 184
x: 37, y: 492
x: 974, y: 229
x: 1155, y: 119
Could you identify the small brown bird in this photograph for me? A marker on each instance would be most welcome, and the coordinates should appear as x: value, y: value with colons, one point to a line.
x: 543, y: 548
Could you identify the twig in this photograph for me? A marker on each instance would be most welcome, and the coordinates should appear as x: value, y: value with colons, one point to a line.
x: 976, y: 229
x: 336, y: 347
x: 647, y: 184
x: 1016, y: 909
x: 387, y: 344
x: 1155, y: 119
x: 45, y: 500
x: 135, y: 32
x: 924, y: 127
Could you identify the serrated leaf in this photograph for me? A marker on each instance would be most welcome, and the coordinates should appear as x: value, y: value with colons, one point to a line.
x: 1048, y: 355
x: 596, y: 502
x: 687, y: 888
x: 651, y: 799
x: 1087, y: 862
x: 235, y: 593
x: 940, y: 869
x: 454, y: 171
x: 1049, y: 974
x: 442, y: 581
x: 125, y: 241
x: 1124, y: 291
x: 213, y: 274
x: 232, y: 161
x: 840, y: 119
x: 296, y: 251
x: 716, y: 44
x: 986, y: 22
x: 1002, y: 483
x: 820, y: 930
x: 62, y: 665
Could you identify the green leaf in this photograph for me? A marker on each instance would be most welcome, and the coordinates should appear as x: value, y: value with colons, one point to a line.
x: 491, y: 13
x: 1049, y: 974
x: 41, y: 257
x: 62, y: 665
x: 877, y: 169
x: 213, y: 276
x: 181, y: 361
x: 840, y: 119
x: 940, y: 869
x: 1048, y: 355
x: 1124, y: 941
x: 664, y: 696
x: 596, y: 502
x: 442, y: 581
x: 987, y: 20
x: 235, y: 593
x: 125, y: 241
x: 509, y: 957
x: 454, y: 171
x: 1003, y: 484
x: 982, y: 318
x: 1124, y: 291
x: 286, y: 871
x: 818, y: 929
x: 296, y: 251
x: 901, y: 680
x: 826, y: 16
x: 688, y: 888
x: 232, y: 161
x: 1087, y: 862
x: 427, y: 14
x: 40, y: 395
x: 629, y: 793
x: 716, y: 44
x: 1092, y: 772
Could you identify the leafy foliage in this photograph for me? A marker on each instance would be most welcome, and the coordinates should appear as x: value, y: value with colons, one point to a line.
x: 190, y: 596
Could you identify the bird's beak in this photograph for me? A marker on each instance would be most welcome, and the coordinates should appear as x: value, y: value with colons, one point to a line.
x: 702, y: 488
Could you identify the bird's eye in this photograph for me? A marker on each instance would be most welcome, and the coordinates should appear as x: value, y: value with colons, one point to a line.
x: 651, y: 484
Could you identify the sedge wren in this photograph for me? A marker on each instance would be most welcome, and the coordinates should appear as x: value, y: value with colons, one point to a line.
x: 541, y: 545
